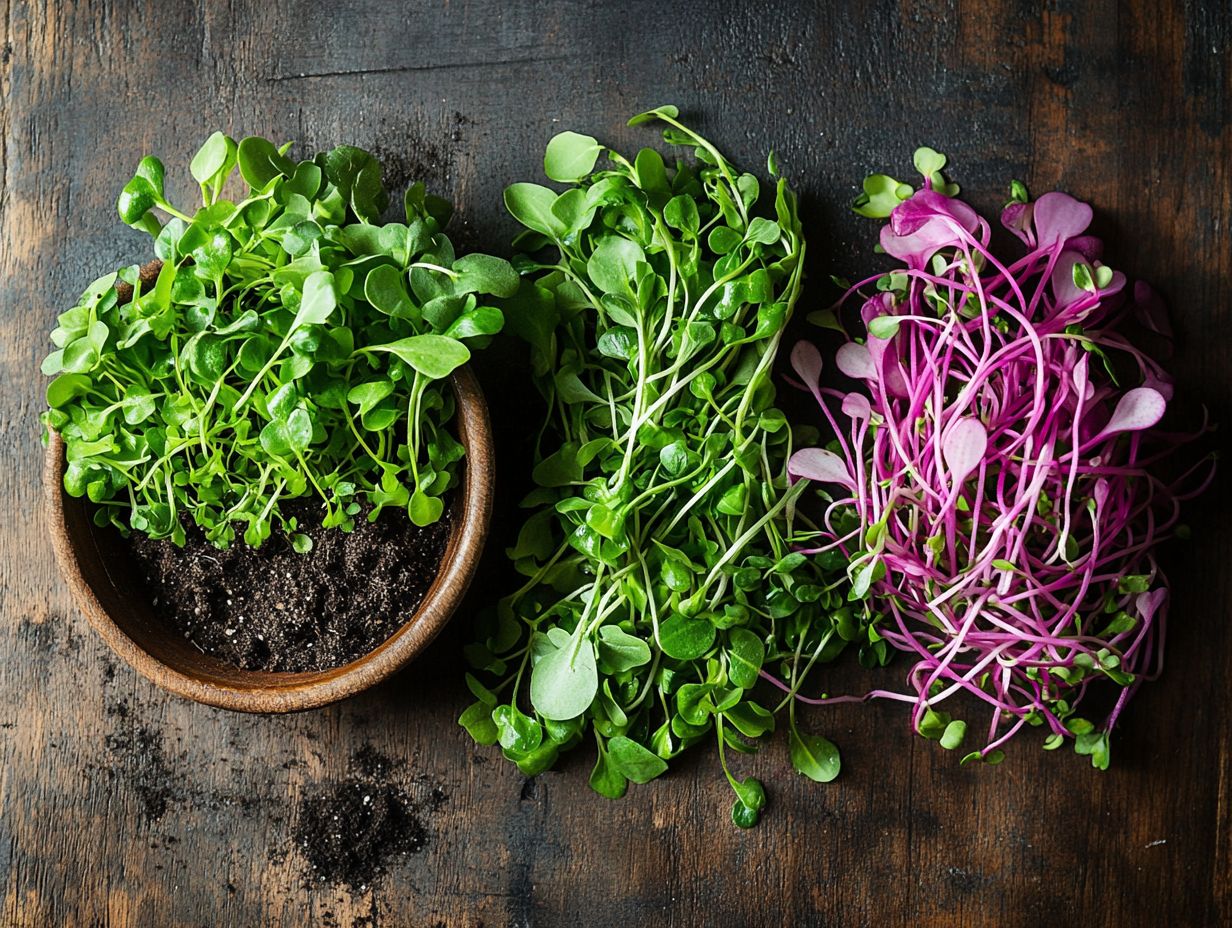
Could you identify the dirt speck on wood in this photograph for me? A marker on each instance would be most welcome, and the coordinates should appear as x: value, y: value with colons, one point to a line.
x: 271, y: 608
x: 139, y: 758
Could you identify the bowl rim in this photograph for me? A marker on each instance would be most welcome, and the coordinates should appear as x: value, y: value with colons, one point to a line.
x: 277, y: 692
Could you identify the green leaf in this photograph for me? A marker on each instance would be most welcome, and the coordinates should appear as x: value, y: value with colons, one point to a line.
x: 619, y: 651
x: 681, y: 213
x: 478, y: 273
x: 260, y: 162
x: 650, y: 115
x: 517, y: 732
x: 751, y: 793
x: 634, y: 761
x: 531, y: 205
x: 744, y: 817
x: 606, y: 780
x: 66, y: 388
x: 385, y: 289
x: 570, y: 156
x: 723, y: 240
x: 205, y: 356
x: 884, y: 326
x: 750, y: 719
x: 815, y: 757
x: 954, y: 733
x: 477, y: 720
x: 357, y: 175
x: 745, y: 657
x: 318, y: 302
x: 763, y: 231
x: 151, y: 170
x: 613, y: 264
x: 424, y: 509
x: 685, y: 638
x: 694, y: 704
x: 563, y: 683
x: 367, y: 395
x: 136, y: 200
x: 928, y: 162
x: 650, y: 171
x: 213, y: 256
x: 619, y: 342
x: 218, y: 153
x: 434, y: 356
x: 285, y: 437
x: 881, y: 195
x: 483, y: 320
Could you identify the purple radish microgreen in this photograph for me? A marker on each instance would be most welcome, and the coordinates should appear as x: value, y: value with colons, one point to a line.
x: 1006, y: 490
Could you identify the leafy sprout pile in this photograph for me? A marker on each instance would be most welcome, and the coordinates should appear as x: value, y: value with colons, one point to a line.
x: 660, y: 572
x: 292, y: 345
x: 1002, y: 452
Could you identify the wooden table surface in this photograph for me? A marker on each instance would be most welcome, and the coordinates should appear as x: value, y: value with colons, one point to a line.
x: 122, y: 806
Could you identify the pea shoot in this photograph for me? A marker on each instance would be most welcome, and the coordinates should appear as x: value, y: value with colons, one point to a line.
x: 661, y: 575
x: 293, y: 344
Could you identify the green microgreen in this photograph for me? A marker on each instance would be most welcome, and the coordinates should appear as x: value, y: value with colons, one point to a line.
x: 658, y: 548
x: 292, y: 345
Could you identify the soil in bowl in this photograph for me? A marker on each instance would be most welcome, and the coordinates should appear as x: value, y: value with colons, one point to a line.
x: 274, y: 609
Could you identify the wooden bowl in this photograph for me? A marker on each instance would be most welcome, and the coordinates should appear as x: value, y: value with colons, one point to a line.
x: 106, y: 588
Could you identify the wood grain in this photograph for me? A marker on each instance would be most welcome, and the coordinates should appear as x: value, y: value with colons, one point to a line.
x: 1123, y: 103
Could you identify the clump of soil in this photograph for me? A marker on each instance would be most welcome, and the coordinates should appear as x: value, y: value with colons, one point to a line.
x: 271, y: 608
x: 350, y: 832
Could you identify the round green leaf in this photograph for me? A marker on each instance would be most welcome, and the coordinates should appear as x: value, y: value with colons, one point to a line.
x: 260, y: 162
x: 531, y: 205
x: 815, y: 757
x: 424, y: 509
x: 136, y: 199
x: 214, y: 255
x: 367, y: 395
x: 563, y: 684
x: 319, y: 299
x: 619, y: 651
x: 483, y: 320
x: 385, y: 289
x: 570, y: 156
x: 686, y: 638
x: 478, y: 273
x: 212, y: 157
x: 613, y: 264
x: 634, y: 761
x: 745, y: 657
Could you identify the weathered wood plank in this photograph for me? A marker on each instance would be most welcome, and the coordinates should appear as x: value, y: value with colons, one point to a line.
x: 122, y: 807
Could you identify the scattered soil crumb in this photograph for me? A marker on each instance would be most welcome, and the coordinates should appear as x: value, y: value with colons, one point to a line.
x: 350, y: 832
x: 270, y: 608
x: 140, y: 759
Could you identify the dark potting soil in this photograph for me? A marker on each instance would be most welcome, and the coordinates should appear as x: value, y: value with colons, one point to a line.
x: 271, y: 608
x: 350, y: 832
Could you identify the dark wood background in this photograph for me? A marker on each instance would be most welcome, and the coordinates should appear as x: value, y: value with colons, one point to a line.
x: 121, y: 806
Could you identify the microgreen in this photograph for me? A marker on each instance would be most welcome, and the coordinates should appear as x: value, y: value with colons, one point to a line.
x: 292, y: 345
x: 1000, y: 450
x: 658, y: 551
